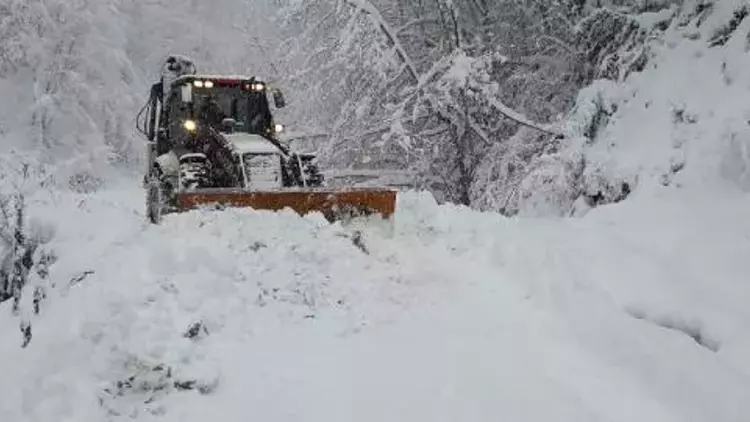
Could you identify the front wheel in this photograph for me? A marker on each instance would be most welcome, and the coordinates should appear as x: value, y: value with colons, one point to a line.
x: 154, y: 203
x: 154, y: 198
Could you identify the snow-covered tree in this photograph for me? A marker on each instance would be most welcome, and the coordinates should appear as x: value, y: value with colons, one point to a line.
x: 374, y: 75
x: 24, y: 261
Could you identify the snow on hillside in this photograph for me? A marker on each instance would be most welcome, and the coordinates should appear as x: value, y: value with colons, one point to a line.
x: 684, y: 121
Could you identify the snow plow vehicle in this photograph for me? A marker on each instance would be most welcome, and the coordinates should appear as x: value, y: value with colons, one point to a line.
x: 213, y: 142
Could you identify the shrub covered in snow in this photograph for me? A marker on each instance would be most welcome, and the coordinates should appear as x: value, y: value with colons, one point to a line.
x: 24, y: 258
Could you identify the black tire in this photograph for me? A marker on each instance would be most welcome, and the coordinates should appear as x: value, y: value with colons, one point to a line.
x: 154, y: 197
x: 347, y: 213
x: 154, y: 204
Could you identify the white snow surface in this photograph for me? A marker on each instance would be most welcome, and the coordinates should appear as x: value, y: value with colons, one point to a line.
x: 459, y: 315
x: 636, y: 311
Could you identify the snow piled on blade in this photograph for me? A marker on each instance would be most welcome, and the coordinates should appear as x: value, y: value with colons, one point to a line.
x: 460, y: 315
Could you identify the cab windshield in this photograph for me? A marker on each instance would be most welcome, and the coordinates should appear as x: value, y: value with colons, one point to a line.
x: 249, y: 109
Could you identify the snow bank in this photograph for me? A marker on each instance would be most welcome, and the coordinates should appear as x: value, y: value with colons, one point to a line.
x: 127, y: 292
x: 460, y: 315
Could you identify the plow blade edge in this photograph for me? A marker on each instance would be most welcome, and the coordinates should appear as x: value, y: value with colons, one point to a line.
x: 333, y: 204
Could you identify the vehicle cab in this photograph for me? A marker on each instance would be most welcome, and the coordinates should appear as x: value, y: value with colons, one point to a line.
x: 197, y: 100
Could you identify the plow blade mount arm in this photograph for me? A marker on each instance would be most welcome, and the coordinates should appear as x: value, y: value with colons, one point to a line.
x: 333, y: 204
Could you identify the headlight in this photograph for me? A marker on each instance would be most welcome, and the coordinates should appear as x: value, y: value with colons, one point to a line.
x: 208, y: 84
x: 189, y: 125
x: 278, y: 128
x: 258, y: 86
x: 198, y: 84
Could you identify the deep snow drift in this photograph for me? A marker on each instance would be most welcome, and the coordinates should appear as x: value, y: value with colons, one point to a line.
x: 620, y: 316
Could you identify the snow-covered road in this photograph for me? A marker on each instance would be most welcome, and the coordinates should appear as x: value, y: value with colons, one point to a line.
x: 623, y: 315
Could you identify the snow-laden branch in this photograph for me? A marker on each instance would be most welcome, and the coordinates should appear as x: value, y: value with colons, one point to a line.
x: 420, y: 21
x: 557, y: 42
x: 389, y: 32
x: 474, y: 126
x: 498, y: 105
x: 422, y: 80
x: 521, y: 119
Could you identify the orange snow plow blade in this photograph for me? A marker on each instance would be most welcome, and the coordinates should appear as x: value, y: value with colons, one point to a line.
x: 333, y: 204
